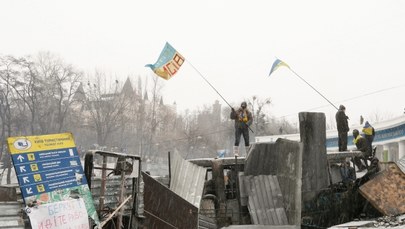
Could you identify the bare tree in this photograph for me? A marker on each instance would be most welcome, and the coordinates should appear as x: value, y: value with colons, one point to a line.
x: 152, y: 109
x: 378, y: 116
x: 259, y: 116
x: 5, y: 99
x: 106, y: 108
x: 24, y: 81
x: 191, y: 132
x: 5, y: 113
x: 61, y: 81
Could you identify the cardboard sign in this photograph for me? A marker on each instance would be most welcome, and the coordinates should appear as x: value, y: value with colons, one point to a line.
x: 68, y: 214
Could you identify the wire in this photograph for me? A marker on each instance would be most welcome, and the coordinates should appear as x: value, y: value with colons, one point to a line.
x: 276, y: 118
x: 349, y: 99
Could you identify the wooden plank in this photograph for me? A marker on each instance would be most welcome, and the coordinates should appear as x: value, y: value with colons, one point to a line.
x: 386, y: 191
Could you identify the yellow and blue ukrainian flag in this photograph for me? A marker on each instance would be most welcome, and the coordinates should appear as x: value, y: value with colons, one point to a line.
x: 277, y: 63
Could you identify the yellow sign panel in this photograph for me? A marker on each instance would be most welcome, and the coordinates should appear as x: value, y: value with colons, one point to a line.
x: 27, y: 144
x: 37, y: 177
x: 31, y: 157
x: 41, y: 188
x: 34, y: 167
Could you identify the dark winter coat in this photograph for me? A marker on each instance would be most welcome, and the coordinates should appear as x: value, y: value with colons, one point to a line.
x: 341, y: 121
x: 239, y: 116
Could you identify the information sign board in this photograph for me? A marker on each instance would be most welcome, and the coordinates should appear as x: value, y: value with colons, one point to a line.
x: 49, y: 170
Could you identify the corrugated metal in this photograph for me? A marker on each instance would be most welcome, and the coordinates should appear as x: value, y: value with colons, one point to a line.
x: 205, y: 222
x: 166, y: 209
x: 386, y: 191
x: 187, y: 179
x: 9, y: 192
x: 11, y: 215
x: 265, y: 200
x: 401, y: 164
x: 283, y: 159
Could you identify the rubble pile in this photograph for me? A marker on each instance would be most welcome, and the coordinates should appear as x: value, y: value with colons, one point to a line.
x: 390, y: 221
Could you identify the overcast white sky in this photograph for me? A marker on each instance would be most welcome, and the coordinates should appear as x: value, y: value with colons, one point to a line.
x: 345, y: 49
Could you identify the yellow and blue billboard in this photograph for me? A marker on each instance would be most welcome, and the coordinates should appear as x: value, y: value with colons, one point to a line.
x: 49, y: 170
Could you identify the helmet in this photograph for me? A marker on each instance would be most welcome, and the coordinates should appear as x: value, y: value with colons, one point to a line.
x: 243, y: 104
x: 355, y: 132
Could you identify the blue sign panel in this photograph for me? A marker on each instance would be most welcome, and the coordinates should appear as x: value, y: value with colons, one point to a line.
x: 380, y: 135
x: 44, y: 155
x: 41, y: 175
x: 41, y: 171
x: 56, y: 164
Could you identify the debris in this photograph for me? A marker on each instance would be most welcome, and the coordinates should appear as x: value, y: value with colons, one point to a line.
x: 390, y: 221
x: 385, y: 191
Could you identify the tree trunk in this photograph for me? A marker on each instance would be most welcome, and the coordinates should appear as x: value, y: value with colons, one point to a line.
x: 9, y: 171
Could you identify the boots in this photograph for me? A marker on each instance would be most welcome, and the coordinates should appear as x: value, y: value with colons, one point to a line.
x: 236, y: 151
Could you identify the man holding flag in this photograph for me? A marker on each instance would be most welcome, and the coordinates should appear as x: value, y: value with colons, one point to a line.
x: 243, y: 118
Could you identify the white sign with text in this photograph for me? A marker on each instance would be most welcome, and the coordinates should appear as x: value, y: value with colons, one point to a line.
x: 68, y: 214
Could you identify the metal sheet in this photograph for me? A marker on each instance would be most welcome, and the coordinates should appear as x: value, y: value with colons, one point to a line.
x: 401, y: 164
x: 11, y: 215
x: 283, y: 159
x: 386, y: 191
x: 207, y: 162
x: 265, y: 200
x: 166, y: 209
x: 262, y: 227
x: 187, y: 179
x: 341, y: 156
x: 8, y: 192
x: 205, y: 222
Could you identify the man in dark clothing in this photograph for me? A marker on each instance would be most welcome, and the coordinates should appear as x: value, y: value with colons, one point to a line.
x: 369, y: 133
x: 343, y: 128
x: 347, y: 173
x: 243, y: 118
x: 363, y: 146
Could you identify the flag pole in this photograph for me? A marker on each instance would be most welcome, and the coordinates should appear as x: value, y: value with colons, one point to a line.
x: 209, y: 83
x: 313, y: 88
x: 213, y: 88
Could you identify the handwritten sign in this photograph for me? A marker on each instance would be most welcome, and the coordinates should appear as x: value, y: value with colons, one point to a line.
x: 68, y: 214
